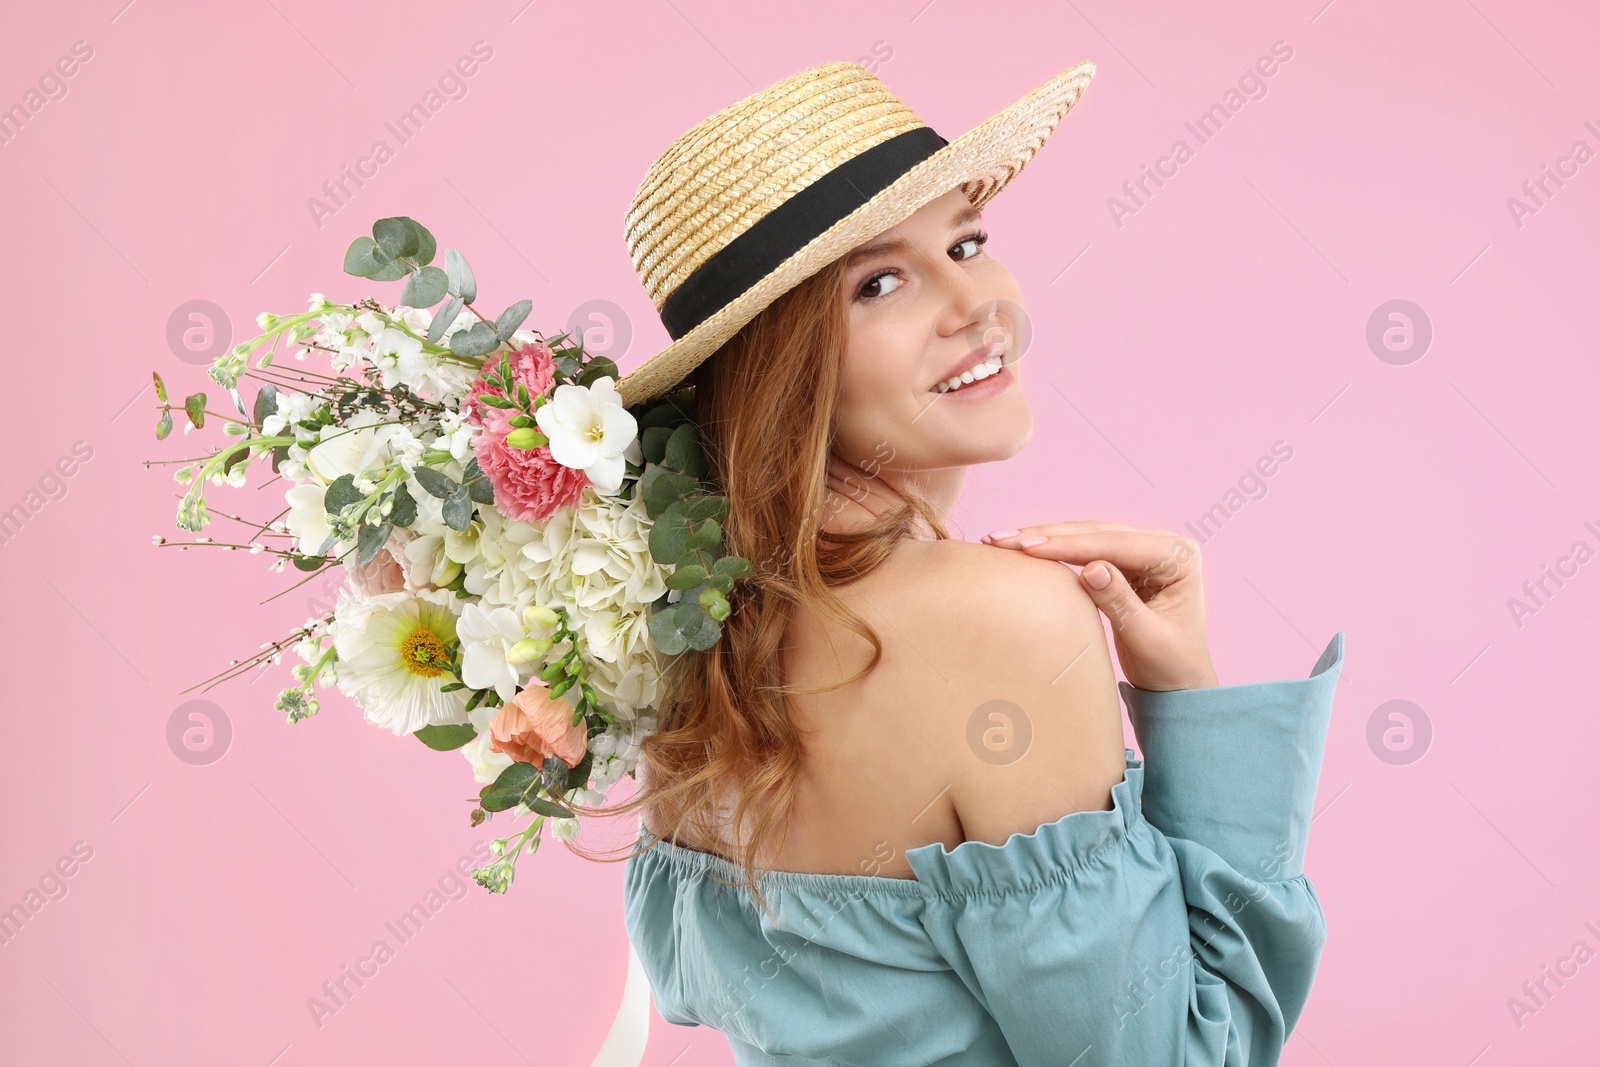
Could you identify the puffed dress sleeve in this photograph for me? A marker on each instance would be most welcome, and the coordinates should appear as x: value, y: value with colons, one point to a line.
x: 1230, y: 777
x: 1175, y: 929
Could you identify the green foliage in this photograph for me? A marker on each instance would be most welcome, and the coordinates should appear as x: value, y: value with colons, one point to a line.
x: 370, y: 539
x: 446, y: 737
x: 458, y: 501
x: 266, y: 403
x: 340, y: 495
x: 686, y: 534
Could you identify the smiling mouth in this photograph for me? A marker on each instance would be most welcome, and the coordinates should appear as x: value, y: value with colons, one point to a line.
x: 987, y: 369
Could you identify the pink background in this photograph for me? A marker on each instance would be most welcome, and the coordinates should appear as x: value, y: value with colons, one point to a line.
x: 1228, y: 313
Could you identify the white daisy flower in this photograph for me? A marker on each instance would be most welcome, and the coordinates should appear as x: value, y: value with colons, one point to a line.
x: 390, y: 648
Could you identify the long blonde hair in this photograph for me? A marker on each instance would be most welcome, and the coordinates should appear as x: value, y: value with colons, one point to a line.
x: 765, y: 407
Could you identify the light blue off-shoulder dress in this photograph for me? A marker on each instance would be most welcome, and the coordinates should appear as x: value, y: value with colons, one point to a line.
x: 1176, y: 928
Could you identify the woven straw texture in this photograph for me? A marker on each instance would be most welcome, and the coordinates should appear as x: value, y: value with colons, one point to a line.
x: 729, y: 171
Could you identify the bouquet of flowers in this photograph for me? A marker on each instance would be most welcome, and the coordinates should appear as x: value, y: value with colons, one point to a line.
x: 522, y: 553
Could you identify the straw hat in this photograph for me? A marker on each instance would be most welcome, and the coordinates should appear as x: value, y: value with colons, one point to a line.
x: 766, y: 192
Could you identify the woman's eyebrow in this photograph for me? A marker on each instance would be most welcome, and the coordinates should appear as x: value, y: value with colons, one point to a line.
x: 879, y: 248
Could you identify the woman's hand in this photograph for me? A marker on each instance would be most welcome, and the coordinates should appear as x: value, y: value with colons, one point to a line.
x: 1153, y: 596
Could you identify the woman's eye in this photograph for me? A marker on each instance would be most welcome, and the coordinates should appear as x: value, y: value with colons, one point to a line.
x: 976, y: 241
x: 878, y: 280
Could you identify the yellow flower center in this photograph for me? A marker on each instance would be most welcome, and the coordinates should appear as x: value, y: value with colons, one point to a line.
x: 422, y: 652
x: 595, y: 432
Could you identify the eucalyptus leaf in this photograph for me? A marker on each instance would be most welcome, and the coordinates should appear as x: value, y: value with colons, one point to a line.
x: 705, y: 506
x: 662, y: 488
x: 669, y: 537
x: 477, y: 483
x: 163, y: 425
x: 462, y: 283
x: 194, y: 406
x: 308, y: 563
x: 397, y: 236
x: 444, y: 319
x: 424, y: 288
x: 435, y: 481
x: 427, y: 247
x: 686, y: 577
x: 478, y: 341
x: 266, y: 403
x: 511, y: 788
x: 709, y: 634
x: 446, y: 737
x: 554, y: 772
x: 234, y: 459
x: 358, y: 259
x: 653, y: 443
x: 161, y: 387
x: 715, y: 604
x: 682, y: 626
x: 341, y: 494
x: 458, y: 509
x: 390, y: 272
x: 404, y: 512
x: 707, y: 534
x: 511, y: 318
x: 732, y: 566
x: 370, y: 539
x: 548, y: 807
x: 598, y: 367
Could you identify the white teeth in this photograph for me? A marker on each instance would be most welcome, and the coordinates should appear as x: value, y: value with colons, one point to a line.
x: 977, y: 373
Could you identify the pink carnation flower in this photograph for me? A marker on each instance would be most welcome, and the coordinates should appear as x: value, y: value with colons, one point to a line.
x: 529, y: 484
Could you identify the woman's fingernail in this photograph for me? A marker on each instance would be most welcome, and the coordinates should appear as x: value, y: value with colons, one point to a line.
x: 1097, y: 575
x: 995, y: 535
x: 1029, y: 542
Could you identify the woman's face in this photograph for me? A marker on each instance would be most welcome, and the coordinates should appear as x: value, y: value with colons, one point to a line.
x: 920, y: 311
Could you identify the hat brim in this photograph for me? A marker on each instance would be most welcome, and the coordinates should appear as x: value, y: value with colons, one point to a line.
x: 981, y: 162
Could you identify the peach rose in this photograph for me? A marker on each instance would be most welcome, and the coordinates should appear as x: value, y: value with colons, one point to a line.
x: 533, y: 726
x: 385, y: 572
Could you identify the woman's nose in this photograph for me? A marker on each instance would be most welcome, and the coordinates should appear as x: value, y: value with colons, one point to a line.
x: 963, y: 296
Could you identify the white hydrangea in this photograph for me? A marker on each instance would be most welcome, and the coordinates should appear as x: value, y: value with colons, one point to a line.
x: 594, y: 560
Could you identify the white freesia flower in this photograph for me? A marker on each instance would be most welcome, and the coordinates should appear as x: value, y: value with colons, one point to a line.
x: 429, y: 563
x: 486, y: 637
x: 486, y: 762
x: 589, y: 430
x: 347, y: 449
x: 390, y: 648
x: 307, y: 519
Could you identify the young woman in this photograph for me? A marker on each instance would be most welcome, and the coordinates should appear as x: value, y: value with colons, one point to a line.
x: 889, y: 818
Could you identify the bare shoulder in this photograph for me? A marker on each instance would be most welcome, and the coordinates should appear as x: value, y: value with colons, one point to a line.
x: 1007, y: 591
x: 1020, y: 692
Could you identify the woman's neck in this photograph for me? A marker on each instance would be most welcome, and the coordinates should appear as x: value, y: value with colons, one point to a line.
x: 859, y: 495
